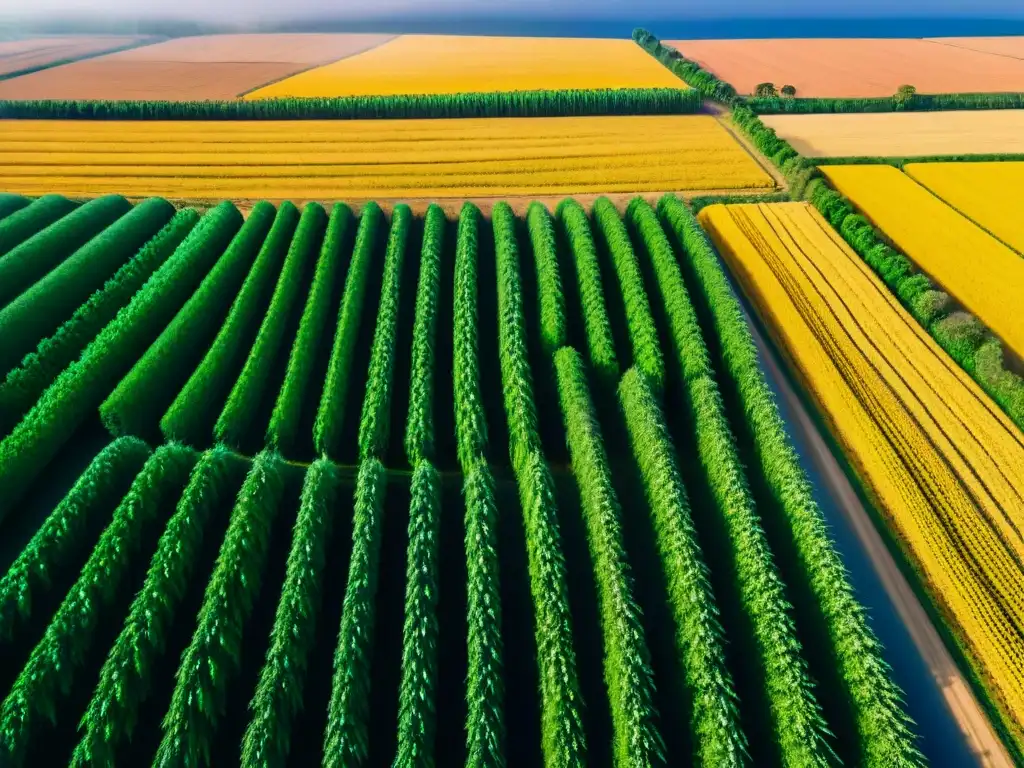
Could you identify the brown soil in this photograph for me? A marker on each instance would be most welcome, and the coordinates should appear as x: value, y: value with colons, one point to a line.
x: 215, y: 67
x: 17, y: 55
x: 855, y: 68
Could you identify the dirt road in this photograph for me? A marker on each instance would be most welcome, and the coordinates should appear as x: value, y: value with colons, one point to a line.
x: 956, y: 692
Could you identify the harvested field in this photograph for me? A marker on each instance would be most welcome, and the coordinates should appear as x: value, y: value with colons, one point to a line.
x: 187, y: 69
x: 903, y: 134
x: 364, y: 159
x: 431, y: 64
x: 981, y: 273
x: 855, y: 68
x: 1001, y: 46
x: 19, y: 55
x: 989, y: 194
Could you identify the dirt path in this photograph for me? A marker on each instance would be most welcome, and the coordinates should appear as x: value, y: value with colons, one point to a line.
x: 956, y: 692
x: 724, y: 118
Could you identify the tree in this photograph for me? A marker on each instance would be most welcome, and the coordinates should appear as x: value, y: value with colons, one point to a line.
x: 904, y: 96
x: 789, y: 91
x: 766, y: 90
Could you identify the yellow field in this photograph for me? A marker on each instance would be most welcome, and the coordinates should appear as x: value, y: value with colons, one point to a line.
x: 496, y: 157
x: 987, y: 193
x: 429, y: 64
x: 985, y: 276
x: 940, y: 460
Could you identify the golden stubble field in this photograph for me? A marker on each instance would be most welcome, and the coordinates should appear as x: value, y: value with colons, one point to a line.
x: 941, y: 461
x: 364, y: 159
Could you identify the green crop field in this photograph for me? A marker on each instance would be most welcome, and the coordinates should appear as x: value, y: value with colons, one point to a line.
x: 346, y: 487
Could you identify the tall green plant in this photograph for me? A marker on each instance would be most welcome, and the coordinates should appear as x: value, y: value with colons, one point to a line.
x: 19, y: 226
x: 551, y: 300
x: 470, y: 417
x: 11, y: 203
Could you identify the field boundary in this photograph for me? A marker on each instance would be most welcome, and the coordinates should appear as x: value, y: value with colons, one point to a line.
x: 151, y: 40
x: 900, y: 161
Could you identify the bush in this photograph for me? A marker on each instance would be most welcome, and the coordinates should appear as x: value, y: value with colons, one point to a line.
x: 80, y: 389
x: 139, y: 650
x: 690, y: 72
x: 141, y: 396
x: 19, y: 226
x: 331, y: 411
x: 194, y: 411
x: 470, y: 417
x: 600, y: 343
x: 35, y: 257
x: 235, y: 422
x: 49, y: 674
x: 550, y: 299
x: 375, y: 422
x: 419, y: 429
x: 214, y: 654
x: 278, y: 699
x: 765, y: 90
x: 284, y: 422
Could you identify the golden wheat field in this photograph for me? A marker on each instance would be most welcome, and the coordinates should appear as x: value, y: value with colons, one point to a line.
x: 986, y: 193
x: 375, y: 159
x: 985, y: 276
x: 434, y: 64
x: 941, y: 461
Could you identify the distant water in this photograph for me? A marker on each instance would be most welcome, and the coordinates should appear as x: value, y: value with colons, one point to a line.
x: 676, y: 29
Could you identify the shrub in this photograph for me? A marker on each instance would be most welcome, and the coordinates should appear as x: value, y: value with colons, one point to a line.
x: 23, y: 265
x: 643, y: 335
x: 347, y: 738
x: 138, y: 651
x: 26, y: 383
x: 80, y: 389
x: 419, y: 429
x: 48, y: 675
x: 376, y: 419
x: 284, y: 422
x: 600, y: 343
x: 550, y: 298
x: 152, y: 383
x: 765, y: 90
x: 39, y: 311
x: 194, y: 411
x: 235, y: 422
x: 214, y: 654
x: 278, y: 698
x: 331, y: 411
x: 19, y: 226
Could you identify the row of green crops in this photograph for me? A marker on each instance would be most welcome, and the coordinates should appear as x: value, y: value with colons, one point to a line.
x: 22, y: 224
x: 198, y: 607
x: 560, y: 103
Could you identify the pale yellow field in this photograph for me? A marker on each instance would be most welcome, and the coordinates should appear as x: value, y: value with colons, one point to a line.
x: 903, y: 134
x: 985, y: 276
x: 429, y: 64
x: 384, y: 159
x: 940, y: 460
x: 991, y: 194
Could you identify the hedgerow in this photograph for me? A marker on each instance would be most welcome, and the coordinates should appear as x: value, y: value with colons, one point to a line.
x: 191, y: 416
x: 376, y: 418
x: 550, y: 299
x: 628, y: 675
x: 485, y: 689
x: 470, y: 418
x: 600, y: 342
x: 235, y: 421
x: 80, y: 389
x: 417, y: 707
x: 35, y: 257
x: 643, y: 335
x: 347, y: 737
x: 213, y: 656
x: 331, y: 411
x: 50, y: 672
x: 798, y: 170
x: 917, y: 102
x: 11, y: 203
x: 419, y: 428
x: 65, y: 531
x: 714, y: 721
x: 564, y: 741
x: 139, y: 650
x: 284, y: 422
x: 142, y: 395
x: 26, y: 383
x: 798, y: 726
x: 40, y: 310
x: 690, y: 72
x: 19, y: 226
x: 883, y: 727
x: 278, y: 698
